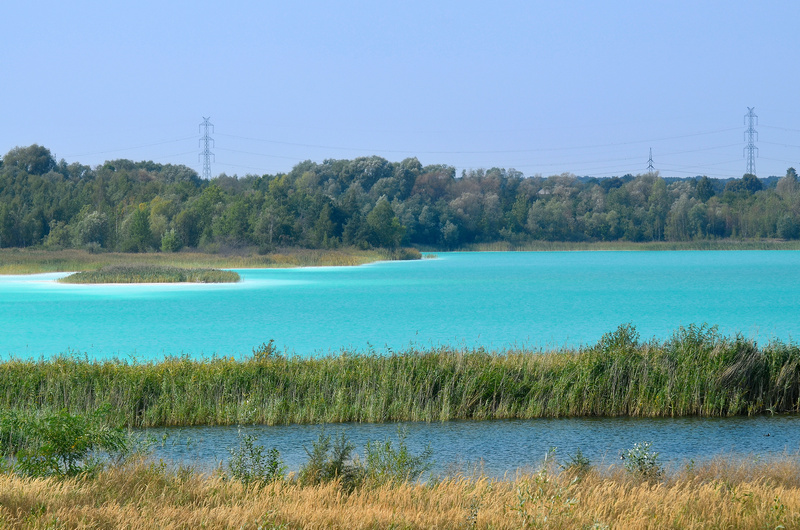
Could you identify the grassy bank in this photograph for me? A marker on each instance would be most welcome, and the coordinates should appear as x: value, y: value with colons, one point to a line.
x: 696, y: 372
x: 719, y: 494
x: 27, y: 261
x: 151, y: 274
x: 712, y: 244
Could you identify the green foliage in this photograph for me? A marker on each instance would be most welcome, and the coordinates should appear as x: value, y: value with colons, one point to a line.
x: 250, y: 463
x: 385, y: 463
x: 59, y: 444
x: 370, y: 202
x: 170, y: 242
x: 331, y: 460
x: 643, y: 463
x: 577, y: 464
x: 695, y: 372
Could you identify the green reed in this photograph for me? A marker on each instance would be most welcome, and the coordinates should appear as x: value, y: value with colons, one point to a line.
x: 151, y: 274
x: 695, y: 372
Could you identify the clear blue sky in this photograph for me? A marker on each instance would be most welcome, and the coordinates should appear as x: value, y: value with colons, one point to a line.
x: 542, y: 87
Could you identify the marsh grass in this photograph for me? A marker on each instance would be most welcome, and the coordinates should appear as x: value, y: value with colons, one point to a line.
x: 711, y: 244
x: 723, y: 493
x: 696, y: 372
x: 151, y: 274
x: 30, y: 261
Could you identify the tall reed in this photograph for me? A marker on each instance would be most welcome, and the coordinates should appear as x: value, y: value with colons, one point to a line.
x: 695, y: 372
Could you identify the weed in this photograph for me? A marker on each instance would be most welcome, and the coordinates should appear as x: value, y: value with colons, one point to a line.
x: 383, y: 463
x: 250, y: 463
x: 643, y: 463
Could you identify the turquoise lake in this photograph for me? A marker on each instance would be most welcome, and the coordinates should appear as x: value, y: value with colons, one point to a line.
x: 493, y: 299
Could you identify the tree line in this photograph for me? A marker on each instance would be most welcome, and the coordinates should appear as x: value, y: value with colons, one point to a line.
x: 123, y: 205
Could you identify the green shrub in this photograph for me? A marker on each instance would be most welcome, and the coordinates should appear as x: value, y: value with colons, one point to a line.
x: 383, y: 463
x: 643, y: 463
x: 60, y: 444
x: 251, y: 464
x: 577, y: 464
x: 331, y: 460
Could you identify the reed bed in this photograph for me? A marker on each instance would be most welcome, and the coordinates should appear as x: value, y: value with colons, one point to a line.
x: 30, y: 261
x: 718, y: 494
x: 710, y: 244
x: 151, y: 274
x: 695, y: 372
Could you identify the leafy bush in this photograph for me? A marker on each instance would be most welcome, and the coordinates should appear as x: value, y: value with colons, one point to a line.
x: 384, y: 463
x: 250, y: 464
x: 329, y: 461
x: 58, y: 443
x: 643, y: 463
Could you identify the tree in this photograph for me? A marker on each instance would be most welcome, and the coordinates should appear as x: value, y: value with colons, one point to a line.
x: 385, y: 227
x: 704, y: 189
x: 34, y: 160
x: 139, y: 231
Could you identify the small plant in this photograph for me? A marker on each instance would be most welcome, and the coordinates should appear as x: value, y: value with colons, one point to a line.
x: 544, y: 499
x: 330, y: 460
x: 266, y: 351
x: 577, y: 464
x: 250, y: 463
x: 383, y: 463
x: 643, y: 463
x: 60, y: 444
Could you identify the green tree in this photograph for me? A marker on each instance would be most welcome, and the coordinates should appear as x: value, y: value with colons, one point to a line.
x: 140, y: 235
x: 385, y: 228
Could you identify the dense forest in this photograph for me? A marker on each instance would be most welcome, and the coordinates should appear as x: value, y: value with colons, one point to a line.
x: 370, y: 202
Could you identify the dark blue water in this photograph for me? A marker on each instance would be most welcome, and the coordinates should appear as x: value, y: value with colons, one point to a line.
x: 494, y: 299
x: 500, y: 447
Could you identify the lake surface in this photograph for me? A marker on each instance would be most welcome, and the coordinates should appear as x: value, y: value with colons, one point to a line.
x: 503, y: 446
x: 497, y: 300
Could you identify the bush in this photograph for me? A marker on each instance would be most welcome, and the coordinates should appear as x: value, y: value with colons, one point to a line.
x: 250, y: 464
x: 577, y: 464
x: 60, y: 444
x: 329, y: 461
x: 643, y: 463
x: 383, y: 463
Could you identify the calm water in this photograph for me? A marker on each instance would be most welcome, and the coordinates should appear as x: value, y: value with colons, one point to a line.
x: 540, y: 299
x: 501, y: 447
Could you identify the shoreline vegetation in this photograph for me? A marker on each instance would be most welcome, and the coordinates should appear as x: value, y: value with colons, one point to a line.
x: 33, y: 261
x: 696, y: 372
x: 718, y: 494
x: 151, y: 274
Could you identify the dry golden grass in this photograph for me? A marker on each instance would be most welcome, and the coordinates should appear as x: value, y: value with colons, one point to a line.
x: 719, y: 494
x: 30, y: 261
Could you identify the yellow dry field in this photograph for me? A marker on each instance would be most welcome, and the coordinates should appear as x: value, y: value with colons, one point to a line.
x: 715, y: 495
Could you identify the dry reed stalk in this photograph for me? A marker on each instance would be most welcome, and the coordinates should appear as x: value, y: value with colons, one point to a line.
x: 720, y: 494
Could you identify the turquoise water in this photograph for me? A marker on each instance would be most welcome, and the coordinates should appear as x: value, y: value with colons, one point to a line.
x: 539, y: 299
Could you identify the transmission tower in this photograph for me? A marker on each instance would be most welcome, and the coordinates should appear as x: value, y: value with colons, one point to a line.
x: 750, y: 150
x: 650, y: 168
x: 206, y: 143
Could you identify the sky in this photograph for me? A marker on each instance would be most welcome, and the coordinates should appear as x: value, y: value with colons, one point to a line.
x: 545, y: 88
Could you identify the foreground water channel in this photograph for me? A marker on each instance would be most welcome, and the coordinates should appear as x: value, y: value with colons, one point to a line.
x: 502, y: 447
